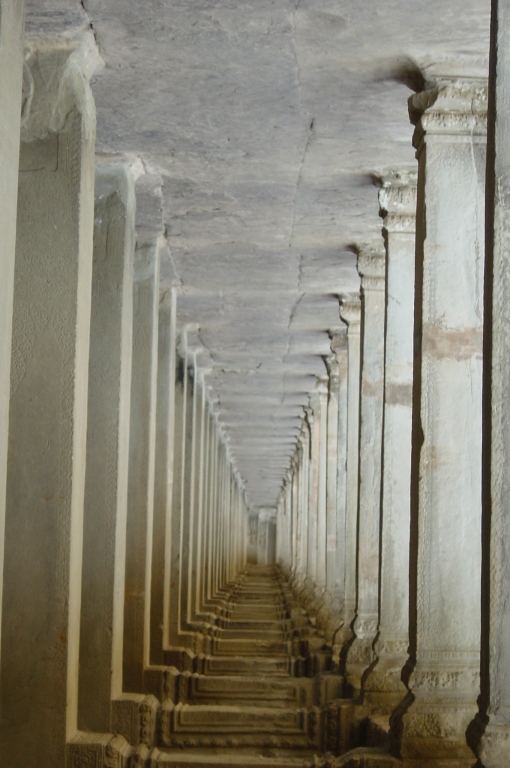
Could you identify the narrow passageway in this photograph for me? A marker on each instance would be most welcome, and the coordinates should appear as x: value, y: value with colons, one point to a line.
x: 254, y: 418
x: 253, y: 703
x: 259, y: 697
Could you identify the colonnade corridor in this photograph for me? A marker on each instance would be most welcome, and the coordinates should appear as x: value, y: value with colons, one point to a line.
x: 254, y: 384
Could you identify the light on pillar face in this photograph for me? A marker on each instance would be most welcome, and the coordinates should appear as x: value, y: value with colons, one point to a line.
x: 372, y: 269
x: 336, y: 480
x: 350, y: 313
x: 495, y: 746
x: 450, y: 138
x: 48, y: 402
x: 397, y: 198
x: 311, y: 519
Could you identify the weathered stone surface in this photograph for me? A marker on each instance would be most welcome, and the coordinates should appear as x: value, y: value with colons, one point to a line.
x: 383, y: 689
x: 48, y: 414
x: 450, y: 138
x: 371, y: 266
x: 265, y: 122
x: 495, y: 746
x: 11, y: 77
x: 142, y: 444
x: 106, y: 481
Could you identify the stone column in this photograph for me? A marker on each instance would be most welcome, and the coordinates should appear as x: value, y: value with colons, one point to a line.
x: 350, y: 313
x: 294, y: 472
x: 204, y: 512
x: 48, y: 408
x: 313, y: 418
x: 337, y: 478
x: 163, y: 474
x: 301, y: 547
x: 142, y: 443
x: 332, y: 471
x: 11, y: 73
x: 371, y: 267
x: 253, y: 520
x: 397, y: 198
x: 167, y: 445
x: 495, y: 746
x: 322, y: 414
x: 175, y: 541
x: 450, y: 138
x: 187, y: 495
x: 106, y: 483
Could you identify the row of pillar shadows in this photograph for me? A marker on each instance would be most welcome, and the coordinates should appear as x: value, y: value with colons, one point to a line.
x: 124, y: 522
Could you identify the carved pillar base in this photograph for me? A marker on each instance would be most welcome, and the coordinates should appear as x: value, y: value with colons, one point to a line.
x: 383, y: 689
x: 134, y: 716
x: 331, y: 617
x: 433, y: 730
x: 99, y: 750
x: 360, y: 655
x: 495, y: 745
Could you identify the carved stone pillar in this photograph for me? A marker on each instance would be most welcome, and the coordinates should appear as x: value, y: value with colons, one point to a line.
x: 350, y: 313
x: 304, y: 439
x: 397, y: 198
x: 332, y: 471
x: 337, y: 456
x: 11, y: 69
x: 313, y: 490
x: 450, y: 138
x: 322, y: 390
x: 106, y: 484
x: 48, y: 410
x: 331, y: 464
x: 371, y: 266
x: 163, y: 474
x: 495, y: 746
x: 142, y: 443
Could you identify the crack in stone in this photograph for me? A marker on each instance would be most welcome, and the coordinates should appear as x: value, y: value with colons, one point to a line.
x: 91, y: 27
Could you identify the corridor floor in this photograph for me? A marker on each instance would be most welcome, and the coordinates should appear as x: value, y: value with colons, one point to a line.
x: 251, y: 704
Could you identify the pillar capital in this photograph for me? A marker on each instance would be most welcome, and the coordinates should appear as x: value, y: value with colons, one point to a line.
x: 350, y: 312
x: 371, y: 267
x: 454, y: 101
x: 338, y: 336
x: 331, y: 363
x: 55, y: 79
x: 397, y: 200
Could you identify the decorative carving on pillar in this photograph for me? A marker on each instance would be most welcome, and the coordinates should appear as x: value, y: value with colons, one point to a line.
x: 372, y: 269
x: 350, y: 313
x: 383, y: 689
x: 450, y: 119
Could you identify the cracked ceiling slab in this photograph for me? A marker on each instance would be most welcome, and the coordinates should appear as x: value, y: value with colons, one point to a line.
x: 261, y: 126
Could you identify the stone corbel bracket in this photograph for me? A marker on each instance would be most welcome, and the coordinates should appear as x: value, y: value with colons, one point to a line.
x: 397, y: 200
x: 454, y: 101
x: 56, y: 83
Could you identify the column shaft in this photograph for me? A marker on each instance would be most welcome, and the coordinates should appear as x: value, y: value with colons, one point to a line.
x: 450, y: 140
x: 142, y: 443
x: 48, y: 415
x: 106, y: 484
x: 11, y: 76
x: 350, y: 313
x: 371, y: 266
x: 398, y: 202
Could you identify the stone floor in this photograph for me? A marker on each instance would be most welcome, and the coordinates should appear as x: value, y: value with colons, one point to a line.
x: 258, y: 701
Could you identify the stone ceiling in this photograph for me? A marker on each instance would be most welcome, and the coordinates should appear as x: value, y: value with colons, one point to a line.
x: 261, y: 125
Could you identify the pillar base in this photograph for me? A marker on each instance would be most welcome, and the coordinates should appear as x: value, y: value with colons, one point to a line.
x: 495, y: 745
x: 383, y: 689
x: 134, y: 716
x: 360, y: 656
x: 434, y: 734
x: 98, y: 749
